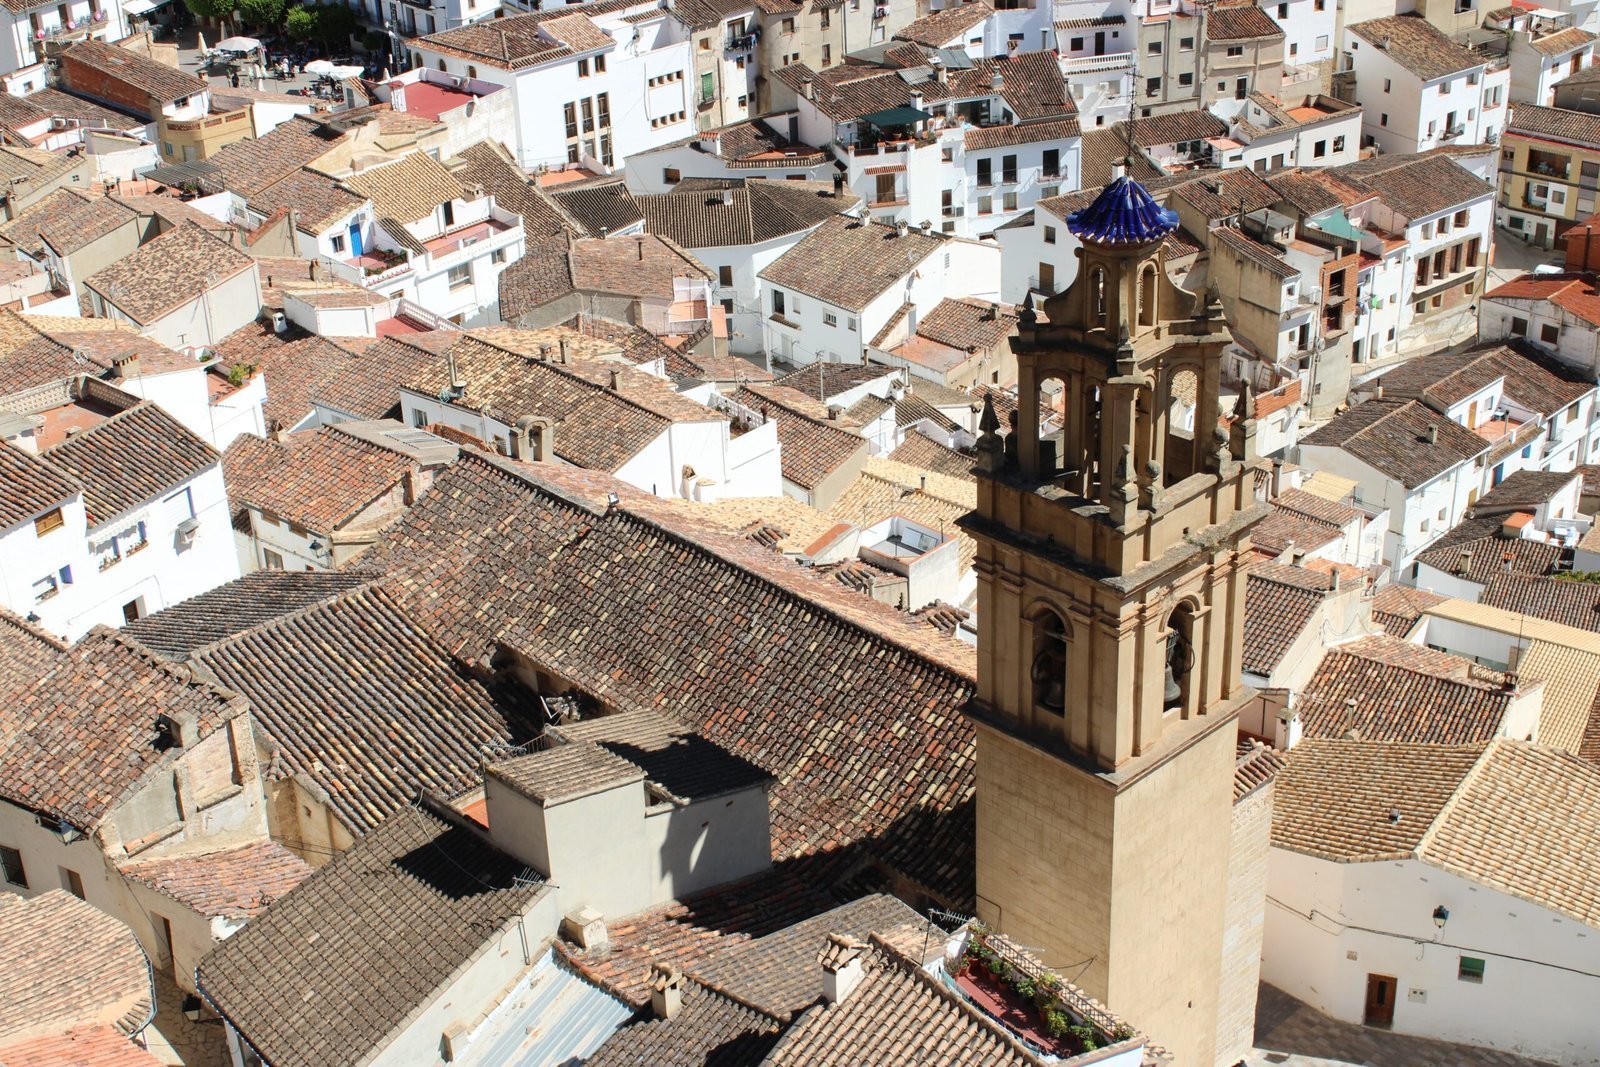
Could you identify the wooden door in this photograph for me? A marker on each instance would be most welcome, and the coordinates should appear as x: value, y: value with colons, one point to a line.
x: 1380, y: 1000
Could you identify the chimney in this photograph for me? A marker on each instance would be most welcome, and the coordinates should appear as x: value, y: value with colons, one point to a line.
x: 991, y: 312
x: 805, y: 88
x: 566, y: 350
x: 939, y: 73
x: 727, y: 198
x: 838, y: 185
x: 1433, y: 433
x: 544, y: 353
x: 275, y: 431
x: 834, y: 411
x: 902, y: 227
x: 916, y: 101
x: 641, y: 248
x: 1464, y: 562
x: 926, y: 227
x: 666, y: 990
x: 616, y: 381
x: 1333, y: 580
x: 1287, y: 555
x: 1349, y: 732
x: 998, y: 82
x: 924, y: 486
x: 126, y: 367
x: 841, y: 967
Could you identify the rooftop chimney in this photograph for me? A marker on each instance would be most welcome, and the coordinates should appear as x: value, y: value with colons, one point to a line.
x: 544, y: 353
x: 841, y: 967
x: 1433, y: 433
x: 727, y: 198
x: 1464, y: 562
x: 998, y: 82
x: 616, y: 380
x: 805, y: 88
x: 566, y: 350
x: 666, y: 990
x: 902, y: 227
x: 834, y: 411
x: 126, y: 367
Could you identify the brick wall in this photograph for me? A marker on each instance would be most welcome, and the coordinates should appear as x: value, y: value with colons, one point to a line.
x: 89, y: 80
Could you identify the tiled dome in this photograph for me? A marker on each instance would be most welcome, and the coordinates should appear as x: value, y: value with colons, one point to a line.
x: 1123, y: 214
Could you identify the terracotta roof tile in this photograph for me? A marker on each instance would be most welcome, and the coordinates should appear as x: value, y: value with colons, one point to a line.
x: 1397, y: 607
x: 69, y: 965
x: 409, y: 189
x: 705, y: 214
x: 678, y: 762
x: 558, y: 773
x: 247, y: 167
x: 1256, y: 766
x: 235, y: 883
x: 167, y: 272
x: 1571, y: 603
x: 66, y: 221
x: 1577, y: 293
x: 813, y: 447
x: 1391, y: 437
x: 405, y: 906
x: 886, y: 488
x: 1533, y: 380
x: 355, y: 697
x: 919, y: 450
x: 1280, y: 602
x: 130, y: 459
x: 162, y: 83
x: 941, y: 27
x: 1416, y: 45
x: 1554, y: 44
x: 1414, y: 185
x: 318, y: 200
x: 90, y: 1046
x: 319, y: 479
x: 487, y: 163
x: 31, y: 485
x: 599, y: 207
x: 237, y: 606
x: 1240, y: 22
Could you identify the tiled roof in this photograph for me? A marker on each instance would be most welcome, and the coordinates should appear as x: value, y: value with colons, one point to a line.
x: 1571, y: 603
x: 823, y: 381
x: 319, y: 479
x: 1477, y: 549
x: 130, y: 459
x: 409, y: 189
x: 849, y: 263
x: 1254, y: 251
x: 318, y: 200
x: 968, y: 323
x: 237, y: 606
x: 1414, y: 43
x: 886, y: 488
x: 235, y: 883
x: 88, y: 1046
x: 941, y: 27
x: 1397, y: 607
x: 640, y: 265
x: 1029, y: 133
x: 403, y: 908
x: 30, y: 486
x: 1172, y: 128
x: 298, y: 371
x: 1391, y: 436
x: 27, y: 652
x: 634, y: 603
x: 487, y: 163
x: 1256, y: 765
x: 599, y: 207
x: 1524, y: 490
x: 65, y: 221
x: 559, y: 773
x: 359, y: 700
x: 718, y: 213
x: 162, y: 83
x: 79, y: 736
x: 1281, y: 528
x: 366, y: 384
x: 1415, y: 186
x: 711, y: 1029
x: 1364, y: 800
x: 1577, y: 293
x: 1225, y: 193
x: 247, y: 167
x: 1514, y: 825
x: 898, y: 1006
x: 1240, y: 22
x: 751, y: 144
x: 168, y: 272
x: 1533, y: 380
x: 1554, y: 44
x: 1319, y: 508
x: 919, y: 450
x: 1031, y: 86
x: 68, y: 964
x: 1401, y: 692
x: 679, y: 763
x: 812, y: 447
x: 1280, y: 601
x: 1562, y: 124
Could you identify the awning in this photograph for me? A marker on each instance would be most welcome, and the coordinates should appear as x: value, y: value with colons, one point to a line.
x: 896, y: 116
x: 1339, y: 225
x: 142, y: 7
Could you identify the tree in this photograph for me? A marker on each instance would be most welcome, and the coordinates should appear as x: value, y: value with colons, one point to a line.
x: 219, y: 10
x: 335, y: 24
x: 262, y: 14
x: 300, y: 22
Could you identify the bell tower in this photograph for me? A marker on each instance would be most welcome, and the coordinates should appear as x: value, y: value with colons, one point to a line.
x: 1111, y: 558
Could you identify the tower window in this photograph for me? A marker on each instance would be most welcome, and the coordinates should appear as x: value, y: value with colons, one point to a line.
x: 1147, y: 296
x: 1049, y: 671
x: 1180, y: 658
x: 1099, y: 296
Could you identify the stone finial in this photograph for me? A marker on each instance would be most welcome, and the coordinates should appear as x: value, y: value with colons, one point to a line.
x: 1153, y: 492
x: 991, y: 449
x: 1028, y: 316
x: 988, y: 422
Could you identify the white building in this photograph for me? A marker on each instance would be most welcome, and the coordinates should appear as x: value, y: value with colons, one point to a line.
x: 1311, y: 131
x: 31, y: 28
x: 970, y: 148
x: 588, y: 87
x: 1310, y: 38
x: 1542, y: 47
x: 426, y: 239
x: 1419, y: 89
x: 1558, y: 312
x: 766, y: 147
x: 1435, y: 890
x: 739, y: 228
x: 831, y: 296
x: 87, y: 542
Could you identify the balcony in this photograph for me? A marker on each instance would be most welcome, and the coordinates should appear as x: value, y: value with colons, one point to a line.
x: 1096, y: 64
x: 1452, y: 133
x: 1549, y: 165
x: 740, y: 44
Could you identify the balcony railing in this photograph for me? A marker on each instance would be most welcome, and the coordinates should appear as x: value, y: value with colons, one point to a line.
x: 1089, y: 64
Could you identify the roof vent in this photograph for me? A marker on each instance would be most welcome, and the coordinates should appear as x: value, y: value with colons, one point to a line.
x: 666, y: 990
x: 616, y: 380
x: 841, y: 967
x: 1433, y: 433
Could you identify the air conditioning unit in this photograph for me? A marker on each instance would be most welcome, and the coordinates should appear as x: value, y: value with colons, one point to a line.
x: 187, y: 529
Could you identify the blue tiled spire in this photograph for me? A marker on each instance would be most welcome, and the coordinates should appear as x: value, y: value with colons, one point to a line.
x: 1123, y: 214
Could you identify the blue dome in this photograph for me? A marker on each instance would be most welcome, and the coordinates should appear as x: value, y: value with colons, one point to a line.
x: 1123, y: 214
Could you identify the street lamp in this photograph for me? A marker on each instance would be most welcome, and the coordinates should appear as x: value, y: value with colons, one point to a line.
x: 1441, y: 915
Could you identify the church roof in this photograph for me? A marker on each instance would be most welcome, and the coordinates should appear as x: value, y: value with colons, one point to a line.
x: 1123, y: 214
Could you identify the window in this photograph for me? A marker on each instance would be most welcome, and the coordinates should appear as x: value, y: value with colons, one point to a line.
x: 830, y: 319
x: 1386, y: 84
x: 603, y: 103
x: 571, y: 111
x: 1549, y: 333
x: 1519, y: 327
x: 497, y: 257
x: 1049, y: 235
x: 45, y: 588
x: 985, y: 172
x: 1153, y: 48
x: 1235, y: 51
x: 986, y: 205
x: 1152, y: 86
x: 1322, y: 41
x: 1470, y: 969
x: 1283, y: 11
x: 1186, y: 44
x: 72, y: 882
x: 1047, y: 191
x: 583, y: 67
x: 11, y: 865
x: 50, y: 520
x: 851, y: 322
x: 1186, y: 79
x: 671, y: 175
x: 1338, y: 143
x: 1011, y: 201
x: 827, y: 53
x: 1383, y: 119
x: 1461, y: 217
x: 1319, y: 149
x: 1076, y: 45
x: 1241, y: 89
x: 777, y: 302
x: 725, y: 276
x: 1008, y: 169
x: 272, y: 560
x: 587, y: 107
x: 788, y: 26
x: 599, y: 64
x: 1051, y: 167
x: 460, y: 277
x: 825, y: 19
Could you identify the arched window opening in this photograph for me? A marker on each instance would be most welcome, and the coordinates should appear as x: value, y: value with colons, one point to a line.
x: 1180, y: 658
x: 1049, y: 671
x: 1179, y: 447
x: 1147, y: 295
x: 1056, y: 453
x: 1099, y: 296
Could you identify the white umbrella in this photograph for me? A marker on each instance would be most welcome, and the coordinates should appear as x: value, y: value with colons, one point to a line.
x: 238, y: 44
x: 319, y: 66
x: 342, y: 73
